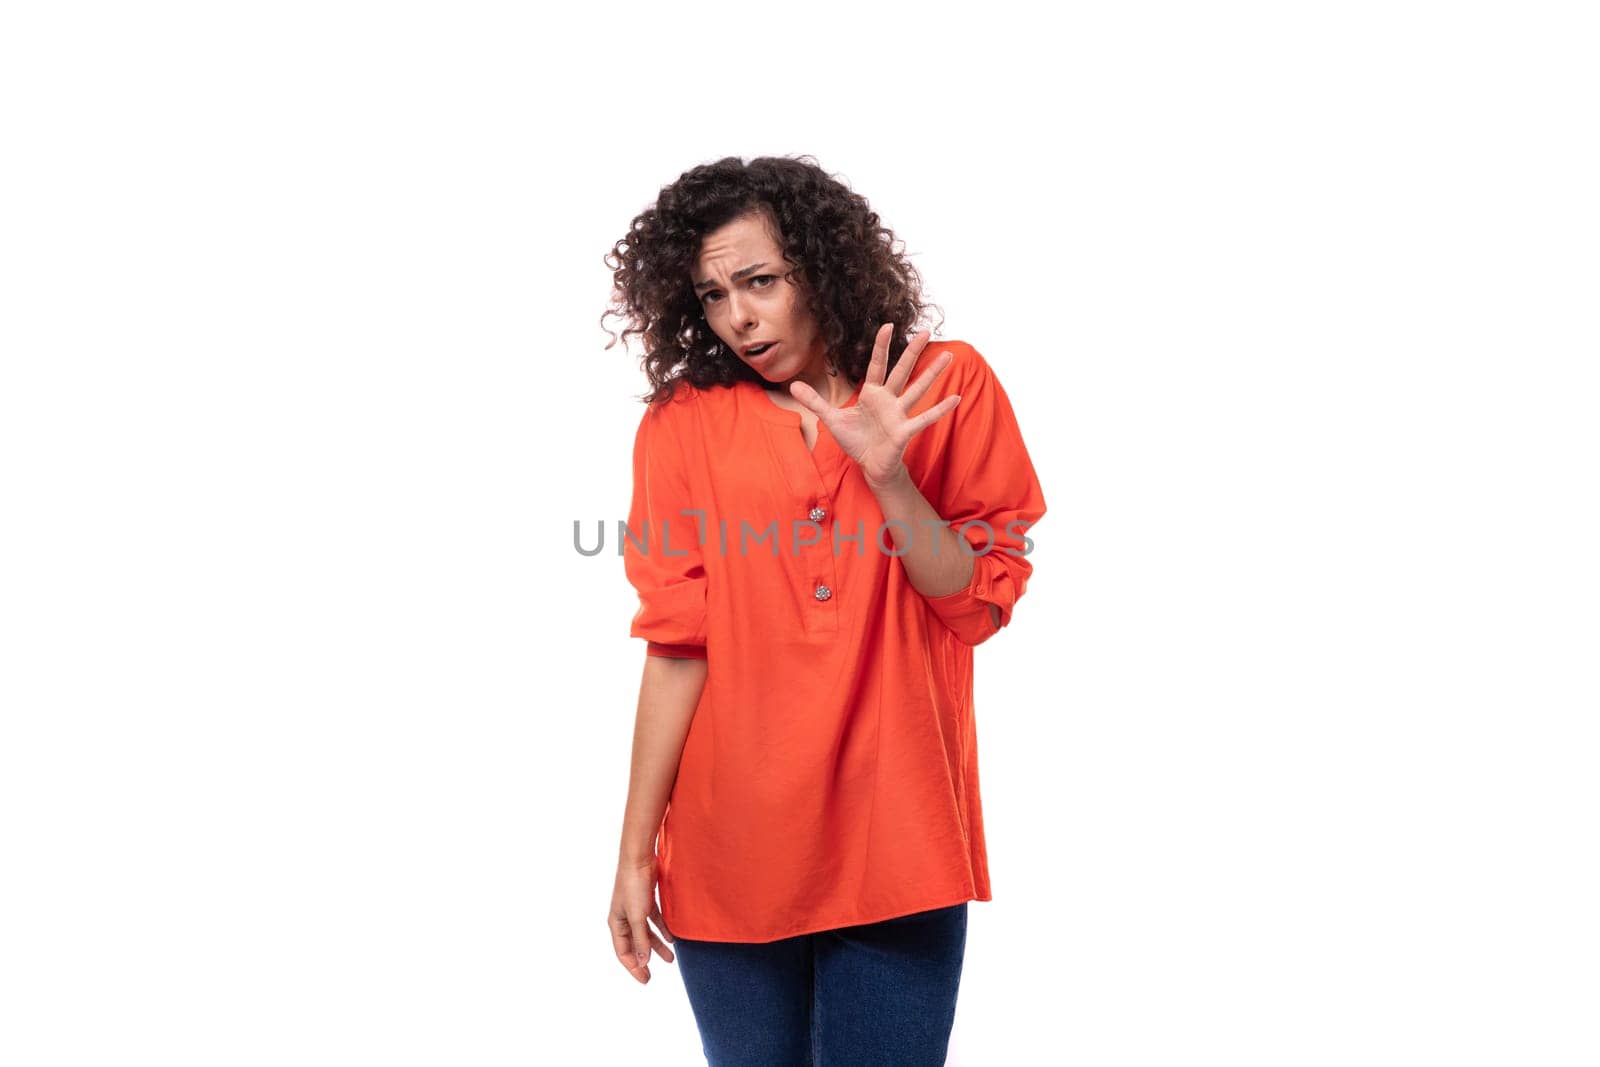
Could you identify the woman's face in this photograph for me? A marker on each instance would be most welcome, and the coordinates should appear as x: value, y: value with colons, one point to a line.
x: 743, y: 284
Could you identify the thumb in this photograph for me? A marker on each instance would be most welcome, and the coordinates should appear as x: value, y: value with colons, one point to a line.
x: 640, y: 934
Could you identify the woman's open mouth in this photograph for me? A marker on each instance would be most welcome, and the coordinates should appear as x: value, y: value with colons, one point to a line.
x: 759, y: 350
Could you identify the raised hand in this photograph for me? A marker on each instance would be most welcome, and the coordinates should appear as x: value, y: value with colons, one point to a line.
x: 875, y: 430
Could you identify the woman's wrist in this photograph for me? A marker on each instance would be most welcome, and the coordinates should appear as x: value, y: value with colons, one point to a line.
x: 633, y: 855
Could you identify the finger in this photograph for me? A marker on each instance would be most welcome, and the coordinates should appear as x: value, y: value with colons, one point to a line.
x: 925, y: 380
x: 933, y: 414
x: 661, y: 949
x: 810, y: 398
x: 640, y: 931
x: 660, y: 921
x: 907, y: 361
x: 879, y: 362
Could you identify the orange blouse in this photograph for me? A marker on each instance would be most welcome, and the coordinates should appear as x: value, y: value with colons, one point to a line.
x: 830, y: 773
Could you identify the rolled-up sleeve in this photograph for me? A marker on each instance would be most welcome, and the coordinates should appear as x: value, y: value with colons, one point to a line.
x: 991, y: 496
x: 661, y: 548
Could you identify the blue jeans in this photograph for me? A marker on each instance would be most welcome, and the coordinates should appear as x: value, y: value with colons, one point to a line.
x: 881, y: 993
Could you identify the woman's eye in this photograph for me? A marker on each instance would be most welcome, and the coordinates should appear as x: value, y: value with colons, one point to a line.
x: 767, y: 278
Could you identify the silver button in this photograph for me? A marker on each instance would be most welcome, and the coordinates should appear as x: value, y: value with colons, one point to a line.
x: 818, y: 514
x: 823, y: 592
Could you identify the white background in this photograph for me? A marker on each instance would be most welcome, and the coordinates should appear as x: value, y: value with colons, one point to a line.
x: 316, y: 727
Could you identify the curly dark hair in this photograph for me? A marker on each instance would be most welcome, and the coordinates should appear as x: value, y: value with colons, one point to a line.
x: 845, y: 262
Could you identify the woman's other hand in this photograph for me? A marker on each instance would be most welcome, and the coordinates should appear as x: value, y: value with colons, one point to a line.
x: 633, y: 908
x: 875, y: 430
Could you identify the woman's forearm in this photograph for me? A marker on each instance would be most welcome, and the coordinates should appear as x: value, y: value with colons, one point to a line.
x: 669, y: 691
x: 929, y: 550
x: 937, y: 560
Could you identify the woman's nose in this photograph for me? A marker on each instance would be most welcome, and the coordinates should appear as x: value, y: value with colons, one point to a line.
x: 741, y: 313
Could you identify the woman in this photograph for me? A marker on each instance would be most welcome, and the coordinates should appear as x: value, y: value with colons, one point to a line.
x: 828, y: 514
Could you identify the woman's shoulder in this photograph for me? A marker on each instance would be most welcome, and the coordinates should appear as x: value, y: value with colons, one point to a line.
x: 680, y: 412
x: 967, y: 364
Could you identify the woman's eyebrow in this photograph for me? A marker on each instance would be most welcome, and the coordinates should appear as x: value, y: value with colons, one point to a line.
x: 738, y: 275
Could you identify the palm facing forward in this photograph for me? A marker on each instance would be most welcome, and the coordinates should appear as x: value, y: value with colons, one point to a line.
x: 876, y: 429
